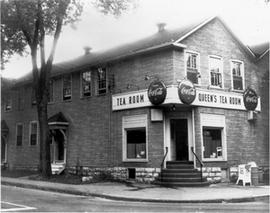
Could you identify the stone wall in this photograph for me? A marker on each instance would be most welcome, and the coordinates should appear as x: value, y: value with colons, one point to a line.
x: 143, y: 175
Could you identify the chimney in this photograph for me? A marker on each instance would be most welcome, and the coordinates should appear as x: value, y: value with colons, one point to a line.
x: 87, y: 50
x: 161, y: 26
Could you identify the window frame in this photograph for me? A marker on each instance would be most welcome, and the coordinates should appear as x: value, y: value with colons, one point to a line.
x: 8, y: 98
x: 98, y: 81
x: 242, y: 70
x: 70, y: 87
x: 134, y: 122
x: 30, y: 131
x: 51, y: 83
x: 81, y: 85
x: 214, y: 121
x: 221, y: 71
x: 198, y: 64
x: 19, y: 124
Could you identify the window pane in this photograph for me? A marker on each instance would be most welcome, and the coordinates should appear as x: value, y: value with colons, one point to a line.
x: 102, y: 83
x: 212, y: 142
x: 19, y: 134
x: 237, y: 73
x: 136, y: 143
x: 86, y: 83
x: 192, y: 67
x: 215, y: 71
x: 67, y: 87
x: 33, y: 136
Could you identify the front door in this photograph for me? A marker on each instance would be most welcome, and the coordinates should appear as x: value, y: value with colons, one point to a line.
x: 179, y: 136
x: 57, y: 147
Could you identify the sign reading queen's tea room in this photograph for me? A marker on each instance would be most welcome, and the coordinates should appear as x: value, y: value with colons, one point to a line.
x: 185, y: 94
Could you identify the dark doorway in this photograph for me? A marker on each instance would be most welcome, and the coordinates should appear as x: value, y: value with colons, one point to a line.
x: 179, y: 134
x: 57, y: 147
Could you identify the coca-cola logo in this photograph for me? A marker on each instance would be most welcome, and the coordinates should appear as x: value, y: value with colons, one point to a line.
x: 250, y: 99
x: 186, y: 92
x: 157, y: 92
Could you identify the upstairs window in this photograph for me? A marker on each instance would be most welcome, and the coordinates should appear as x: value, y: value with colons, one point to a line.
x: 86, y: 84
x: 51, y: 95
x: 67, y: 87
x: 102, y: 81
x: 8, y: 103
x: 33, y: 133
x: 33, y: 97
x: 192, y: 66
x: 216, y: 71
x: 19, y: 133
x: 20, y: 99
x: 237, y: 68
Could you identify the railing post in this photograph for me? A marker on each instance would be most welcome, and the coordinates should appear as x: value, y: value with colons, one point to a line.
x: 201, y: 164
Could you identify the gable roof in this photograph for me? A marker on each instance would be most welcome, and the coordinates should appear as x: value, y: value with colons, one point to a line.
x: 260, y: 50
x: 160, y: 40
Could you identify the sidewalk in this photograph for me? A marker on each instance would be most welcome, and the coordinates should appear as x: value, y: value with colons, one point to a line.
x: 150, y: 193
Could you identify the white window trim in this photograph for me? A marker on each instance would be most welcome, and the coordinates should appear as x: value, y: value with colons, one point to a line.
x: 70, y: 88
x: 198, y: 65
x: 221, y: 71
x: 223, y: 136
x: 243, y: 69
x: 17, y: 124
x: 81, y: 86
x: 97, y: 82
x: 30, y: 131
x: 134, y: 125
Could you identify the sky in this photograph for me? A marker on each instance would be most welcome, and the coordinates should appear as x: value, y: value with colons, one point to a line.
x: 248, y: 19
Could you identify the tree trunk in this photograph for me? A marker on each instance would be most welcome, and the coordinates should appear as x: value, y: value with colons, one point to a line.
x: 45, y: 160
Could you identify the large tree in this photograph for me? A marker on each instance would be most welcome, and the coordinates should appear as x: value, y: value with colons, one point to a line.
x: 26, y: 24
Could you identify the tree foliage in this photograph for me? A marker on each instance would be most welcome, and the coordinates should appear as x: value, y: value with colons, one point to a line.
x: 26, y: 24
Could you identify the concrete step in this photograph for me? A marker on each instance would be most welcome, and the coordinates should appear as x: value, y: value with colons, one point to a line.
x: 180, y: 162
x: 181, y: 175
x: 184, y: 184
x: 180, y: 180
x: 180, y: 170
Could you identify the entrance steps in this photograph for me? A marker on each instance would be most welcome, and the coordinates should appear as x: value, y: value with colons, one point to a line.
x: 181, y: 173
x: 58, y: 168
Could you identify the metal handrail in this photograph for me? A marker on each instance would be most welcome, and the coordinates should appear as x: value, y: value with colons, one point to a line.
x: 163, y: 161
x: 201, y: 164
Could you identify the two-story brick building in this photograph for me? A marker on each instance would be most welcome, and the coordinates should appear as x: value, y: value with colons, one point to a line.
x: 162, y: 100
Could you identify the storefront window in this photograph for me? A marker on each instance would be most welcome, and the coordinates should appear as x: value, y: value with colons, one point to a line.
x: 134, y: 129
x: 212, y: 142
x: 136, y: 143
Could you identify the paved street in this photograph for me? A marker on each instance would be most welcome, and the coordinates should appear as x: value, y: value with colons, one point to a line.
x: 29, y: 200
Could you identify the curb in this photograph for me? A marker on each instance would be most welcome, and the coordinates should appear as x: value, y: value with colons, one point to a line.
x: 132, y: 199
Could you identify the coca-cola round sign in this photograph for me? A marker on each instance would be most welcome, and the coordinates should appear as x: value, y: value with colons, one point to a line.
x: 186, y: 92
x: 250, y: 99
x: 157, y: 92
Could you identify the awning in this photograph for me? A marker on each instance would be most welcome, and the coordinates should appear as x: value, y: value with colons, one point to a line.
x: 58, y: 121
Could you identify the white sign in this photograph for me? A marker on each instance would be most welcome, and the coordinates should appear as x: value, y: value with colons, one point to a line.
x: 204, y: 97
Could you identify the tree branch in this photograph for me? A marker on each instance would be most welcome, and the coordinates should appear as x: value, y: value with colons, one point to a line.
x: 24, y: 30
